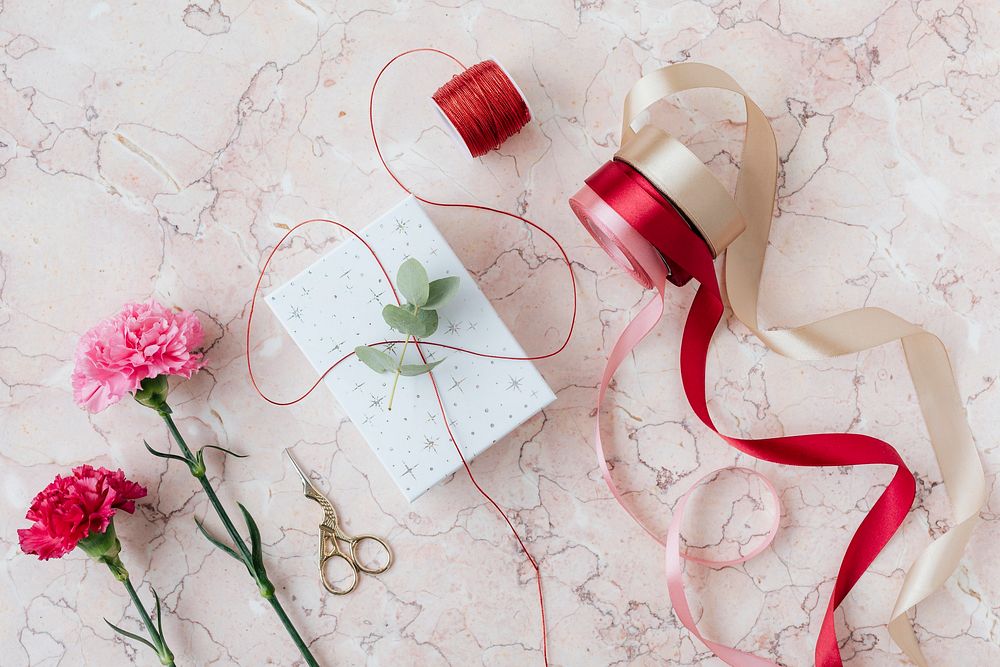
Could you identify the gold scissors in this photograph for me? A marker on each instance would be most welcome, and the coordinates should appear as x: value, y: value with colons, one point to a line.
x: 331, y: 535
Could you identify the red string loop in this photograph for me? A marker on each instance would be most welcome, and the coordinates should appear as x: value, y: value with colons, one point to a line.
x: 485, y: 77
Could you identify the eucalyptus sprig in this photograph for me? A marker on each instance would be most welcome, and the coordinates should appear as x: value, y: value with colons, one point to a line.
x: 417, y: 319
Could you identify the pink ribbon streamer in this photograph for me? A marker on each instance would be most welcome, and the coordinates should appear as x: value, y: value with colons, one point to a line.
x: 620, y: 239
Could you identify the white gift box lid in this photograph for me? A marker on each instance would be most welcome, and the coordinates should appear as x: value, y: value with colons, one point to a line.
x: 336, y: 304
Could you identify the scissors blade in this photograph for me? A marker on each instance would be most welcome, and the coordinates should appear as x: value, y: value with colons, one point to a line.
x: 308, y: 488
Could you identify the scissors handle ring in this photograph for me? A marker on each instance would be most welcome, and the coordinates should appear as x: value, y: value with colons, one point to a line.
x: 350, y: 563
x: 356, y: 542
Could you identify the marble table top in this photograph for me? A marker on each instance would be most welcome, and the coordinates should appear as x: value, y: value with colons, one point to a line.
x: 161, y: 149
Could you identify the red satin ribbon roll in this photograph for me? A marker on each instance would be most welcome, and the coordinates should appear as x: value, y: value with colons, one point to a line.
x: 649, y: 214
x: 646, y: 204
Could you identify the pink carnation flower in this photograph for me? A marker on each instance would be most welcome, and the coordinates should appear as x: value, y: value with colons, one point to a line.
x: 72, y: 508
x: 143, y: 341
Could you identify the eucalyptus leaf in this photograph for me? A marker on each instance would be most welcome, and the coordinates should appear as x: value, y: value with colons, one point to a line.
x: 427, y: 317
x: 412, y: 282
x: 409, y: 370
x: 429, y: 321
x: 441, y: 291
x: 377, y: 360
x: 402, y: 320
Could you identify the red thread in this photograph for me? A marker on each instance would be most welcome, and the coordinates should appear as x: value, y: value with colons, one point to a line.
x: 437, y: 393
x: 484, y: 106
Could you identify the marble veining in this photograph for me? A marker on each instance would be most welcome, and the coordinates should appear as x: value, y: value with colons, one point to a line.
x: 161, y: 149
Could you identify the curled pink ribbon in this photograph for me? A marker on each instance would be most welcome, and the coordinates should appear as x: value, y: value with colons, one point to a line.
x: 647, y: 267
x: 675, y: 574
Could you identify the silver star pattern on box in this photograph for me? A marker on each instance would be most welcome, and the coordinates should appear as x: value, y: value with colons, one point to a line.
x: 485, y: 399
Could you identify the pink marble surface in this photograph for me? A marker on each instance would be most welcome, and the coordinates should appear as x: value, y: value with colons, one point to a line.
x: 159, y: 149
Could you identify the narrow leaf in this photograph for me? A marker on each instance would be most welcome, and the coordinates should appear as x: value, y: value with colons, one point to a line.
x: 377, y: 360
x: 227, y: 451
x: 441, y: 291
x: 409, y: 370
x: 256, y: 553
x: 165, y: 455
x: 428, y: 322
x: 130, y: 635
x: 159, y: 619
x: 412, y: 282
x: 402, y: 320
x: 224, y: 547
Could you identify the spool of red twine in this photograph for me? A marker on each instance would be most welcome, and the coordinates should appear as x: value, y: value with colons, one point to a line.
x: 484, y: 107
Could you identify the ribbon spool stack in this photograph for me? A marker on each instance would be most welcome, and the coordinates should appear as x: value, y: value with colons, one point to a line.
x: 482, y: 107
x: 662, y: 216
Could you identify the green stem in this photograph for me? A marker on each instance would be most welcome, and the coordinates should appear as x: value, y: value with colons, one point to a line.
x: 234, y: 535
x: 166, y: 657
x: 399, y: 367
x: 207, y: 486
x: 287, y: 622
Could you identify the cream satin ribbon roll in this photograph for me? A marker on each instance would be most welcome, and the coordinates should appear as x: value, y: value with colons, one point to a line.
x: 718, y: 217
x: 677, y: 172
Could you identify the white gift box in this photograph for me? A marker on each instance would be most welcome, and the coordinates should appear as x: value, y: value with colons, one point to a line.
x: 336, y: 304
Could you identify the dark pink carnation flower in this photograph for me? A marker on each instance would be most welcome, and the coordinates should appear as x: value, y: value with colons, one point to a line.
x: 143, y: 341
x: 72, y: 508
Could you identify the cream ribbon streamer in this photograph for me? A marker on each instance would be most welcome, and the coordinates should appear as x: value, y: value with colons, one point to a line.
x: 706, y: 202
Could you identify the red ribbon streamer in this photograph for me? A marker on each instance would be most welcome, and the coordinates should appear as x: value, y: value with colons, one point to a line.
x: 655, y: 219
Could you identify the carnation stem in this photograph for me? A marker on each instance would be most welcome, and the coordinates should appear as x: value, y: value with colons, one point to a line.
x: 166, y: 657
x: 267, y: 590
